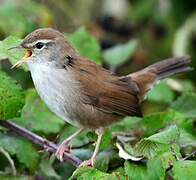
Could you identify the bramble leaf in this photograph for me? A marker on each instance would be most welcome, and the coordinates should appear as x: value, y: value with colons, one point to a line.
x: 162, y: 141
x: 11, y: 98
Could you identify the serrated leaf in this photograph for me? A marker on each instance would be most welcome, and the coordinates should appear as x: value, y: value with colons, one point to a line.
x: 117, y: 55
x: 12, y: 54
x: 149, y: 147
x: 37, y: 117
x: 135, y: 171
x: 184, y: 170
x: 185, y: 104
x: 86, y: 44
x: 11, y: 97
x: 23, y: 150
x: 161, y: 93
x: 90, y: 174
x: 168, y: 136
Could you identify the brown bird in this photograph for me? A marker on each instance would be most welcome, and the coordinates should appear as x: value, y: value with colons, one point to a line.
x: 85, y: 94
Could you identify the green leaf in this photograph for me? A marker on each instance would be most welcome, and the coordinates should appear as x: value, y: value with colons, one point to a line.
x: 37, y: 117
x: 127, y: 124
x: 184, y: 170
x: 156, y: 167
x: 86, y: 44
x: 168, y: 136
x: 135, y: 171
x: 102, y: 160
x: 162, y: 141
x: 156, y: 121
x: 91, y: 174
x: 12, y: 54
x: 185, y: 104
x: 15, y: 13
x: 117, y: 55
x: 48, y: 170
x: 106, y: 140
x: 23, y: 150
x: 161, y: 93
x: 186, y: 139
x: 11, y: 98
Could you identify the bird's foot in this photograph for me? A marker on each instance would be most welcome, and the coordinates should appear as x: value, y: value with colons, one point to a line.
x: 63, y: 148
x: 88, y: 163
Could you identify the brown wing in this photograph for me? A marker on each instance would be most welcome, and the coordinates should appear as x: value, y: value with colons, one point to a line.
x: 106, y: 91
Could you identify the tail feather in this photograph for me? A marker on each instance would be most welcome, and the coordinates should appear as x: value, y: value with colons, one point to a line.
x: 146, y: 78
x: 171, y: 66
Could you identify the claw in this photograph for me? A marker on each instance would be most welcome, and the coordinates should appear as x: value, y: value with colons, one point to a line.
x: 88, y: 163
x: 64, y: 147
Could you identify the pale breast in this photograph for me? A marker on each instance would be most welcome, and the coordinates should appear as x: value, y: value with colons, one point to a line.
x: 57, y: 89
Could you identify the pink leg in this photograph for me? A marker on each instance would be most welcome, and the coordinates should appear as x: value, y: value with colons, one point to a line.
x: 91, y: 161
x: 64, y: 146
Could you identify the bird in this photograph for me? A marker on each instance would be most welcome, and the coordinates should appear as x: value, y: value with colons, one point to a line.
x: 85, y: 94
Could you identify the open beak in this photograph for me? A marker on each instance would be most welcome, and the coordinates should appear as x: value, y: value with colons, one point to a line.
x: 24, y: 59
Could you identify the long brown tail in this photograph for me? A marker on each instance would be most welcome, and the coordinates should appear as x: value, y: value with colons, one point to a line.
x: 146, y: 78
x: 171, y: 66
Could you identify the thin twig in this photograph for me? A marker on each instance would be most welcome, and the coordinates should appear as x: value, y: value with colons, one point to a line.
x: 6, y: 154
x: 50, y: 146
x: 190, y: 155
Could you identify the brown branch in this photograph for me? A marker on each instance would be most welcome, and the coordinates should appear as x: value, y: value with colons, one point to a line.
x: 50, y: 146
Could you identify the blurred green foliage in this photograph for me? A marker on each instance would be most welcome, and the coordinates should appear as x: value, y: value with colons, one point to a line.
x: 86, y: 44
x: 21, y: 16
x: 158, y: 145
x: 11, y: 97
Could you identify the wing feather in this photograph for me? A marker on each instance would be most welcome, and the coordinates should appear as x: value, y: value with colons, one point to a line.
x: 106, y: 91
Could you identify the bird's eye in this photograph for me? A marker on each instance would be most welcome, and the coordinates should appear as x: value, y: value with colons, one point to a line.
x: 39, y: 45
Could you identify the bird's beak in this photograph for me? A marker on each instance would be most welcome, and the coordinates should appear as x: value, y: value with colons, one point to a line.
x: 28, y: 54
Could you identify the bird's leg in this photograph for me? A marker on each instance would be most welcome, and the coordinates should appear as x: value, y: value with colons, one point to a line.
x: 91, y: 161
x: 64, y: 146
